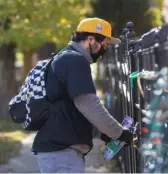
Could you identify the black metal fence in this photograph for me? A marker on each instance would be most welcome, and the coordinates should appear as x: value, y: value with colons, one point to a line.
x: 131, y: 70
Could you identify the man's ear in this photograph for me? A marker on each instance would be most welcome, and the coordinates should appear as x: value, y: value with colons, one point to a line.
x: 91, y: 39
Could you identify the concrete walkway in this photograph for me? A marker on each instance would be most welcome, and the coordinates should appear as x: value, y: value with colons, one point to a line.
x: 27, y: 163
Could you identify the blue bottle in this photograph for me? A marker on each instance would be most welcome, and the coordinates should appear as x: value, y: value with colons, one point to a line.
x: 114, y: 146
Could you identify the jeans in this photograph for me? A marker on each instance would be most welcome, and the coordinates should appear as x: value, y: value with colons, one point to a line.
x: 65, y: 161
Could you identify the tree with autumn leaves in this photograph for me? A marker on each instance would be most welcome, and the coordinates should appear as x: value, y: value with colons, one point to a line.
x: 25, y: 25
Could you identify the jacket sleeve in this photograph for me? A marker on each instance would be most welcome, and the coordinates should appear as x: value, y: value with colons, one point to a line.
x: 91, y: 108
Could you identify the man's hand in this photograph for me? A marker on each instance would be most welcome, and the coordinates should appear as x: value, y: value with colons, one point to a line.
x: 105, y: 138
x: 126, y: 136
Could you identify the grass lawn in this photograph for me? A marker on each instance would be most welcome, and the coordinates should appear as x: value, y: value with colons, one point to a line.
x: 11, y: 135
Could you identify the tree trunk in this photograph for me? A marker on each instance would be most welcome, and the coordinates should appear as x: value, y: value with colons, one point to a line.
x: 7, y: 76
x: 45, y: 51
x: 27, y: 66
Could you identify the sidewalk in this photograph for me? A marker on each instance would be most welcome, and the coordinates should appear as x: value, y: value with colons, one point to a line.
x: 26, y: 162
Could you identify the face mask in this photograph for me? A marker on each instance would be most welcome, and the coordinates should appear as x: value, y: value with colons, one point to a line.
x: 98, y: 55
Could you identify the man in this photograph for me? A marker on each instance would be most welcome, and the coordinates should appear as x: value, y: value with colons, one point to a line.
x: 77, y: 116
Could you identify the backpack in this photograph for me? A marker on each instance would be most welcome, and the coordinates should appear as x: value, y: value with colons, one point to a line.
x: 30, y: 107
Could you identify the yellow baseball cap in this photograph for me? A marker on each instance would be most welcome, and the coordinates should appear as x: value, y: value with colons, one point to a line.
x: 99, y: 26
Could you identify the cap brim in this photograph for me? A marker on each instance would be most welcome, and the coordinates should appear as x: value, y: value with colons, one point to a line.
x: 114, y: 40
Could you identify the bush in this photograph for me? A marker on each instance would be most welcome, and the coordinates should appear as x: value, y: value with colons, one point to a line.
x: 11, y: 135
